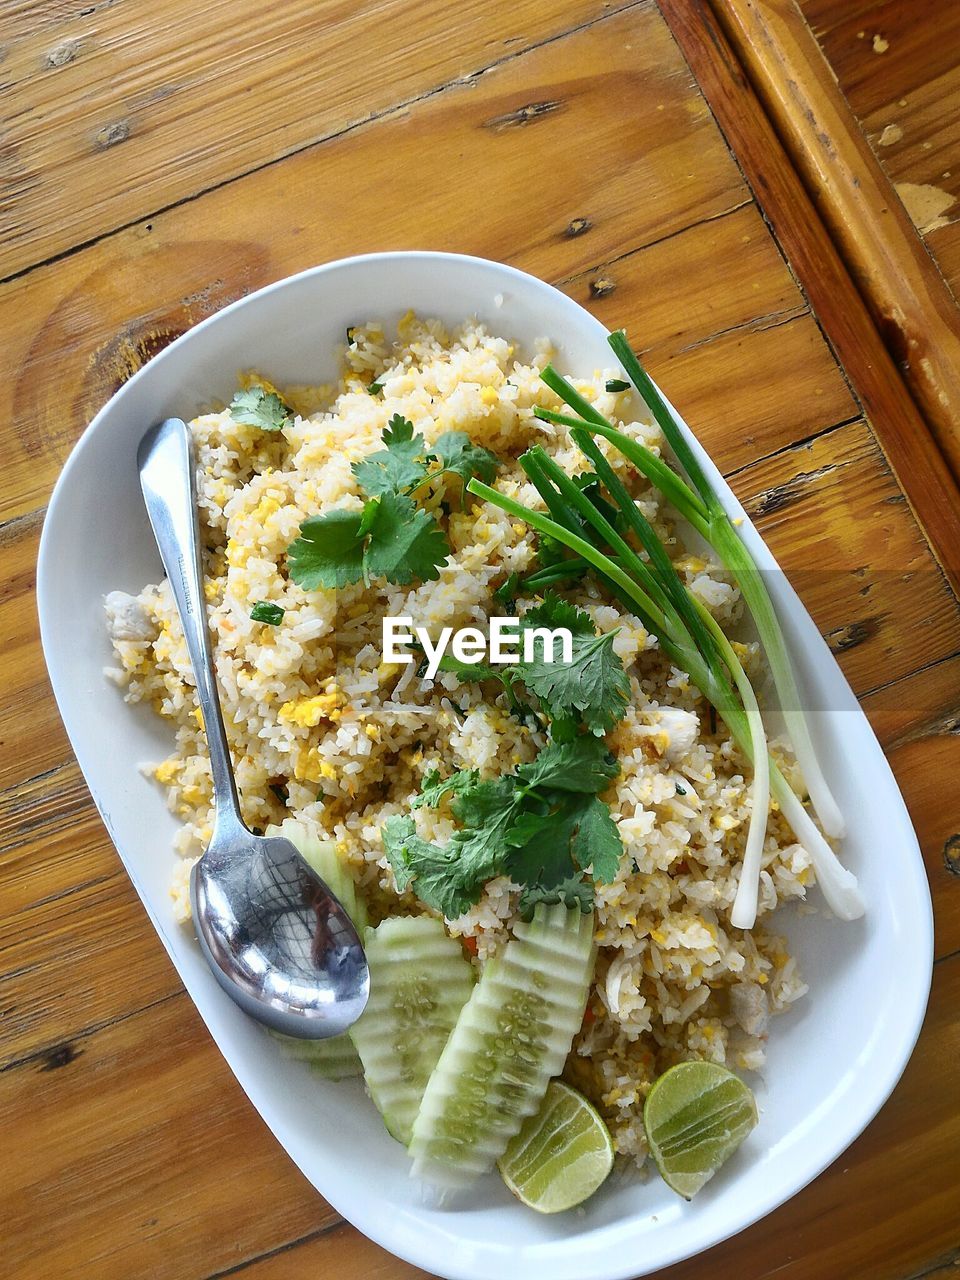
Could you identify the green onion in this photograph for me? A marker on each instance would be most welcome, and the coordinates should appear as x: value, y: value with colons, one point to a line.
x: 672, y: 486
x: 723, y: 537
x: 687, y: 633
x: 264, y: 611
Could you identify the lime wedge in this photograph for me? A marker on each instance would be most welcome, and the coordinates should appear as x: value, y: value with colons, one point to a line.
x: 696, y: 1115
x: 561, y: 1155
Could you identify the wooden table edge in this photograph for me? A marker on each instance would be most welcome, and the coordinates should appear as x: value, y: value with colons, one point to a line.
x: 911, y: 304
x: 764, y: 148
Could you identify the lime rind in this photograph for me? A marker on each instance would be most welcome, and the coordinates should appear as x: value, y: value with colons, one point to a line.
x: 696, y: 1116
x: 561, y: 1155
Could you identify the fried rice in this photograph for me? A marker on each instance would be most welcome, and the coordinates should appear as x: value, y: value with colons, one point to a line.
x: 323, y: 729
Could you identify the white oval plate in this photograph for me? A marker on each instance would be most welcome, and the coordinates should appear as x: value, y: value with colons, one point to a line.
x: 832, y: 1062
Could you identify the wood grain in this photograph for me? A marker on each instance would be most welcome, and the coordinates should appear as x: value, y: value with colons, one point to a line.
x: 823, y: 507
x: 101, y: 1083
x: 141, y: 1155
x: 70, y: 922
x: 913, y: 454
x: 31, y: 735
x: 901, y: 78
x: 75, y: 330
x: 906, y: 294
x: 112, y: 114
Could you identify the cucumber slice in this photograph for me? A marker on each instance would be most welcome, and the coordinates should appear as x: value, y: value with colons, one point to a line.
x: 419, y: 982
x: 322, y: 856
x: 336, y: 1058
x: 333, y: 1059
x: 511, y: 1038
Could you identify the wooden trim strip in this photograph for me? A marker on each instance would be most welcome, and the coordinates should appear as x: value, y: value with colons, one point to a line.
x: 913, y: 454
x: 908, y: 298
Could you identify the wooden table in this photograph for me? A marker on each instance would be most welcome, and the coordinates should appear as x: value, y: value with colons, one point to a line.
x: 162, y: 160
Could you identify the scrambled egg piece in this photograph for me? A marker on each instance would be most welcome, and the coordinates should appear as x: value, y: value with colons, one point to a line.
x: 308, y: 712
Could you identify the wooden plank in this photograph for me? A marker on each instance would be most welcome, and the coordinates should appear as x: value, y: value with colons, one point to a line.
x: 949, y: 1270
x: 832, y: 514
x: 727, y: 270
x: 918, y: 721
x: 31, y: 735
x: 111, y: 114
x: 906, y: 294
x: 75, y: 330
x: 901, y: 78
x: 912, y: 452
x: 342, y: 1252
x: 140, y: 1155
x: 755, y: 390
x: 916, y: 52
x: 70, y: 922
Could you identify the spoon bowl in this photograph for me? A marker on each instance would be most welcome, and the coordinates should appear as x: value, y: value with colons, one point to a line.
x: 276, y: 938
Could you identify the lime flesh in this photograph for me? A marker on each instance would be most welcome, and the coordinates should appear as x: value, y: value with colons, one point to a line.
x: 561, y: 1155
x: 696, y: 1116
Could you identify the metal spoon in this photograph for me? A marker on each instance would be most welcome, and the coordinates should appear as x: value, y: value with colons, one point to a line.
x: 277, y: 940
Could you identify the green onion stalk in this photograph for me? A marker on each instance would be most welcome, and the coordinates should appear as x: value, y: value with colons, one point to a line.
x: 686, y: 631
x: 703, y: 510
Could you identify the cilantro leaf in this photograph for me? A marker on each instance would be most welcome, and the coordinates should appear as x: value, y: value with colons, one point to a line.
x: 434, y: 787
x: 583, y: 765
x: 508, y: 589
x: 257, y: 407
x: 597, y: 844
x: 557, y: 612
x: 405, y: 542
x: 458, y: 454
x: 539, y: 846
x: 593, y: 686
x: 402, y: 846
x: 577, y: 835
x: 401, y: 465
x: 441, y: 877
x: 572, y: 892
x: 449, y: 880
x: 329, y: 551
x: 487, y: 805
x: 391, y: 538
x: 549, y: 551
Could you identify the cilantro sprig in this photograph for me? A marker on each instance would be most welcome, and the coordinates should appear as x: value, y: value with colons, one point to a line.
x: 391, y: 537
x: 544, y: 825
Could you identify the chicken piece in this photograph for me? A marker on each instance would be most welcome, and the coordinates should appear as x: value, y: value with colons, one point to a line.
x: 128, y: 619
x: 748, y: 1004
x: 680, y: 729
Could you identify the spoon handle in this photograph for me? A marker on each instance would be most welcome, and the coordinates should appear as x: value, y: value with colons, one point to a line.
x: 168, y: 481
